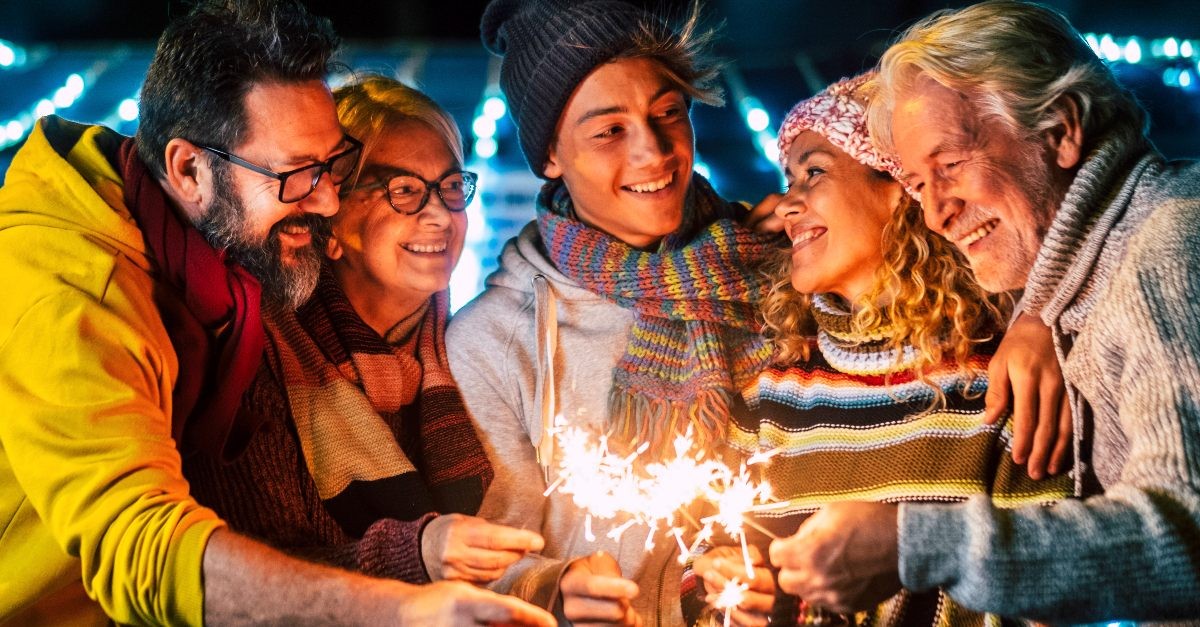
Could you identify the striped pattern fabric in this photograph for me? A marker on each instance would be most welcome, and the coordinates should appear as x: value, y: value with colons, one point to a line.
x: 695, y: 336
x: 347, y: 388
x: 849, y: 428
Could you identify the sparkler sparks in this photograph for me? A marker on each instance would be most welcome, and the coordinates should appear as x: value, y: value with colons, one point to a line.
x: 730, y: 597
x: 607, y: 485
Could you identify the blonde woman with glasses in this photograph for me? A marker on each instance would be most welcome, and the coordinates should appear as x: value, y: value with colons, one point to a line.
x: 368, y: 458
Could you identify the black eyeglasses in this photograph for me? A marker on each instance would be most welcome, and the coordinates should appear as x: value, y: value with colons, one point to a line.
x: 408, y: 193
x: 296, y: 185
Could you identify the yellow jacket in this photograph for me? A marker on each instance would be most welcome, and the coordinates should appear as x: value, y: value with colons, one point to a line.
x: 95, y: 516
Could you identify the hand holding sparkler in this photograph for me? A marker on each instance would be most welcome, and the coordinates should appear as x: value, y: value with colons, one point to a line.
x: 844, y: 557
x: 720, y: 566
x: 594, y: 592
x: 468, y: 548
x: 655, y: 494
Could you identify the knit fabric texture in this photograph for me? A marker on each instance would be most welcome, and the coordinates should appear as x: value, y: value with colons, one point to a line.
x: 852, y: 424
x: 548, y: 48
x: 838, y: 113
x: 341, y: 378
x: 367, y: 437
x: 695, y: 339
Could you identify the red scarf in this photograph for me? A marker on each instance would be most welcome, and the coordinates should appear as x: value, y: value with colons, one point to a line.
x: 211, y: 312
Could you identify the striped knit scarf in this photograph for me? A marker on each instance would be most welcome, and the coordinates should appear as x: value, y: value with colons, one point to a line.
x: 381, y: 422
x: 695, y: 339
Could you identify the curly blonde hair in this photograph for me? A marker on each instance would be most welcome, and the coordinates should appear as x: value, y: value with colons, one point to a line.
x: 933, y: 302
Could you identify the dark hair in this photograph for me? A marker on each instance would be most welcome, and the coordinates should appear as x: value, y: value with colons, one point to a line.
x: 209, y: 59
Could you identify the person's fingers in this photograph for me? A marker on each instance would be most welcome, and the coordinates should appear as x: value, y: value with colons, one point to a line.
x: 762, y: 216
x: 1046, y: 434
x: 1066, y: 437
x: 484, y: 559
x: 489, y: 608
x: 757, y: 602
x: 785, y: 551
x: 752, y: 602
x: 770, y: 223
x: 1025, y: 401
x: 728, y: 568
x: 756, y: 555
x: 599, y: 574
x: 996, y: 398
x: 714, y: 581
x: 580, y: 609
x: 723, y: 569
x: 791, y: 582
x: 470, y: 574
x: 763, y: 582
x: 486, y: 535
x: 600, y: 587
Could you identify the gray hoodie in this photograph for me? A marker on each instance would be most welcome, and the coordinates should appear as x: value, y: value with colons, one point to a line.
x: 529, y: 310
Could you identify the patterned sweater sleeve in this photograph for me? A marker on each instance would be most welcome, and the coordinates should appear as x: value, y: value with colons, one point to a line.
x: 1130, y: 553
x: 389, y: 549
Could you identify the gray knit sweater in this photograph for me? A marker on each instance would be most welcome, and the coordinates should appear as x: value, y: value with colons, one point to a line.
x: 493, y: 345
x: 1118, y: 280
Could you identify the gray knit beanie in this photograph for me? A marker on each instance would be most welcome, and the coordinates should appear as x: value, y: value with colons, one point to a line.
x: 549, y: 47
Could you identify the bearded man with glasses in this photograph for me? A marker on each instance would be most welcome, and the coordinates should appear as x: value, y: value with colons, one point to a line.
x: 131, y: 328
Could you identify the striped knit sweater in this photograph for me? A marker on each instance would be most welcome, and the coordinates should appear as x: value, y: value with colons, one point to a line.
x: 1118, y: 280
x: 267, y: 493
x: 853, y: 424
x: 374, y: 524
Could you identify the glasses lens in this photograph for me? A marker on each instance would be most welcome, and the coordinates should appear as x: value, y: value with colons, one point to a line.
x: 341, y: 165
x: 454, y: 192
x: 458, y: 190
x: 300, y: 183
x: 406, y: 193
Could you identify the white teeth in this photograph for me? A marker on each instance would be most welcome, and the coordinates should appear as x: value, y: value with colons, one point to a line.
x: 652, y: 186
x: 977, y: 234
x: 424, y: 248
x: 806, y: 235
x: 293, y: 229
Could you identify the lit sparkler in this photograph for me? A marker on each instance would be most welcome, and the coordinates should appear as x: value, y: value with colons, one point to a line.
x: 730, y: 597
x: 606, y: 485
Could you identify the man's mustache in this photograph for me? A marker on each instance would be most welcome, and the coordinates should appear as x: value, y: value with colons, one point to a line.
x: 319, y: 226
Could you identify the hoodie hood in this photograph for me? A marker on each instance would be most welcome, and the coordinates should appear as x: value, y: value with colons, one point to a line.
x: 63, y: 177
x: 523, y: 258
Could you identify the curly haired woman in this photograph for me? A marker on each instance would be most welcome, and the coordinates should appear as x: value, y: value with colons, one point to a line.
x: 883, y: 339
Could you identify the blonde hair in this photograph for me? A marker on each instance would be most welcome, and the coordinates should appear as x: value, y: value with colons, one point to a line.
x: 1014, y: 61
x: 369, y: 105
x: 933, y: 302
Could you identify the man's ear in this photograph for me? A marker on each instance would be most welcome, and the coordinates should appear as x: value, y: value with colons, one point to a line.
x: 333, y: 248
x: 552, y: 169
x: 1065, y: 138
x: 188, y: 177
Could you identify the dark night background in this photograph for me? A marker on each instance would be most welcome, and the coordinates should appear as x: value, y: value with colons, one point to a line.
x: 780, y: 51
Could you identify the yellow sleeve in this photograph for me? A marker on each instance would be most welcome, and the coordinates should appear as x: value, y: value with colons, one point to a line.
x: 85, y: 397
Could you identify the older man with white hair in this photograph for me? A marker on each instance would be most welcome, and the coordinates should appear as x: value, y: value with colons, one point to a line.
x: 1032, y: 158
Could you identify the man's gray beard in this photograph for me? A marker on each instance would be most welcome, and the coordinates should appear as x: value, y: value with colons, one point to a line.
x: 225, y: 227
